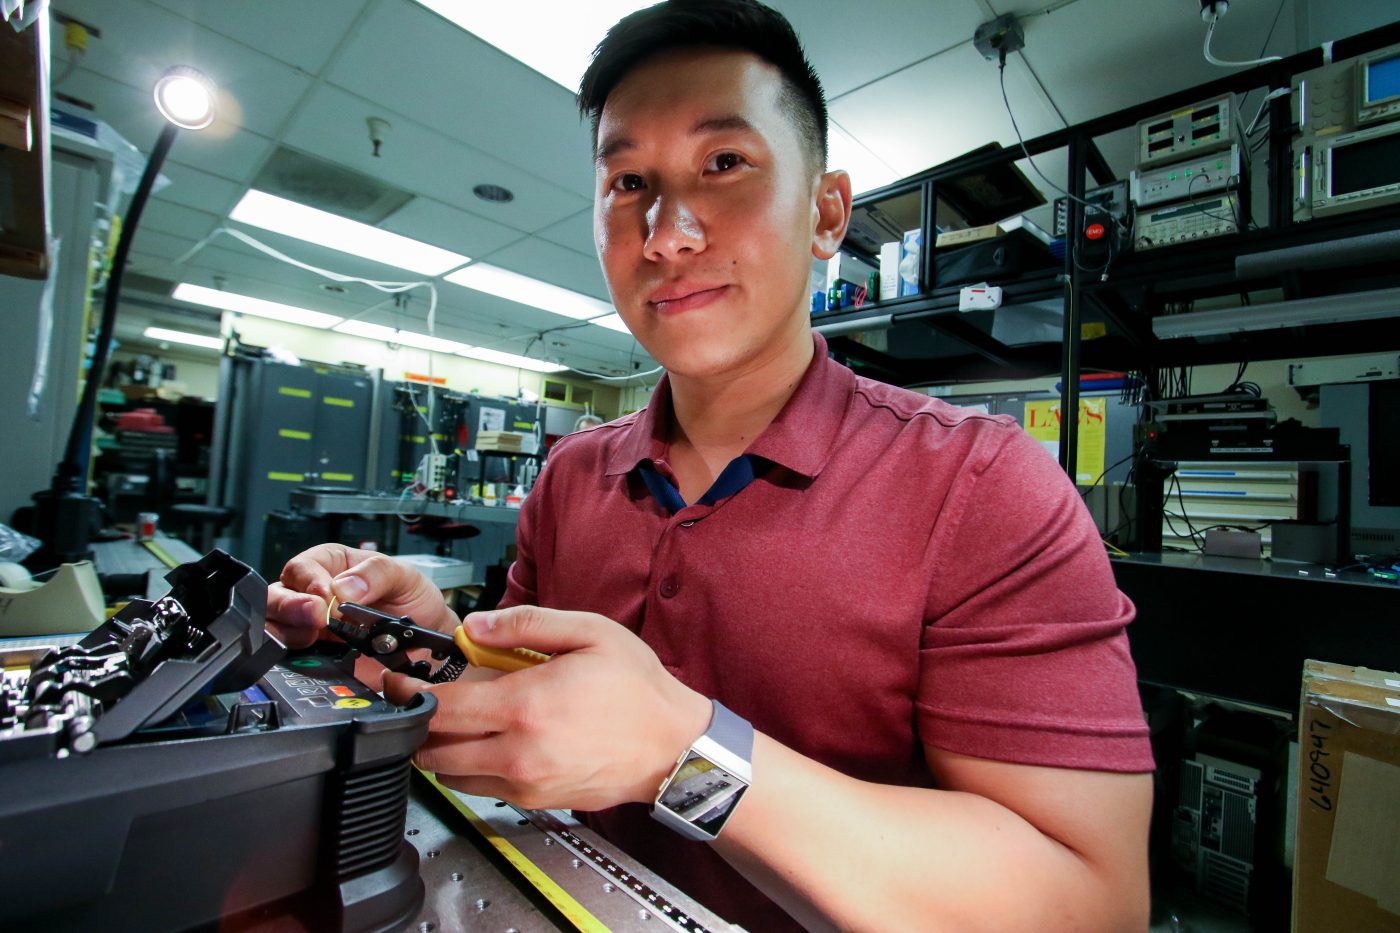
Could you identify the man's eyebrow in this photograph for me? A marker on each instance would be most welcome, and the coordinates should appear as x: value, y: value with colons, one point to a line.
x: 612, y: 147
x: 720, y: 124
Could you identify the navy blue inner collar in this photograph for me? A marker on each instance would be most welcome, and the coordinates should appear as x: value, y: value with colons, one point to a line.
x: 741, y: 471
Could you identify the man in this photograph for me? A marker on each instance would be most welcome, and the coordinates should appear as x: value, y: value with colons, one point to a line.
x: 906, y: 601
x: 586, y: 421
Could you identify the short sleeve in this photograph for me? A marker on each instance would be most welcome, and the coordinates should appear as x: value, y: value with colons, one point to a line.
x: 1025, y: 657
x: 522, y: 580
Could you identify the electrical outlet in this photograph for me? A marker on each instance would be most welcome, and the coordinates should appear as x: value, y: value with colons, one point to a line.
x: 999, y: 37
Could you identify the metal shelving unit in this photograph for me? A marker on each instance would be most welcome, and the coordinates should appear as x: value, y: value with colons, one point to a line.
x: 1139, y: 284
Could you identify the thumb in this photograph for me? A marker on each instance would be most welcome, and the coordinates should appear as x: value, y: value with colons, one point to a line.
x: 548, y: 630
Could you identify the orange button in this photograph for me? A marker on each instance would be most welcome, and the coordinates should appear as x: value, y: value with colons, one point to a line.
x: 342, y: 691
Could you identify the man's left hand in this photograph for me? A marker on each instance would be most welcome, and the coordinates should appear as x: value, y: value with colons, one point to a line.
x: 600, y: 724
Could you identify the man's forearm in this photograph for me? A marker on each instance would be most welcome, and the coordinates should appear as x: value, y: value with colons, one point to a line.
x: 840, y: 853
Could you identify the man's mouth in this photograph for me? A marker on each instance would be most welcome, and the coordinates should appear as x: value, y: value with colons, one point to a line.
x: 673, y: 299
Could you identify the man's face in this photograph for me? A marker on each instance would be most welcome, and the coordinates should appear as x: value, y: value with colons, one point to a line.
x: 705, y: 210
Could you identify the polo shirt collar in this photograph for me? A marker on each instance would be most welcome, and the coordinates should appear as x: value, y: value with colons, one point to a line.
x: 800, y: 438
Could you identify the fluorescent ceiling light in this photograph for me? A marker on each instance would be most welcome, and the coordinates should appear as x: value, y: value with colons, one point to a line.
x: 1329, y: 309
x: 179, y: 336
x: 260, y: 209
x: 511, y: 360
x: 559, y: 49
x: 527, y: 291
x: 867, y: 170
x: 405, y: 338
x: 612, y: 322
x: 257, y: 307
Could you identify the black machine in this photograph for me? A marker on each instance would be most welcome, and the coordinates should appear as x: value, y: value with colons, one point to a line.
x: 177, y: 768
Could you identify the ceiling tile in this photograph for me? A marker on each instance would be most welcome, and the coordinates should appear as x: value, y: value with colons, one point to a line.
x: 850, y: 46
x: 450, y: 228
x: 423, y: 160
x: 193, y: 188
x: 301, y: 34
x: 555, y: 264
x: 178, y: 220
x: 448, y: 79
x: 915, y: 120
x: 155, y: 243
x: 576, y: 233
x: 140, y: 41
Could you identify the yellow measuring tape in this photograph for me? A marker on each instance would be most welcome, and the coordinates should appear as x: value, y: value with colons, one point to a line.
x: 160, y: 553
x: 575, y: 912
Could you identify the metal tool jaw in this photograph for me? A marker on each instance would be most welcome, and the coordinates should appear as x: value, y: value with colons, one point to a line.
x: 388, y: 638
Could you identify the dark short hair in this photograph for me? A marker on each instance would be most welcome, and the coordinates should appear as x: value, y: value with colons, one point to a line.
x: 743, y: 25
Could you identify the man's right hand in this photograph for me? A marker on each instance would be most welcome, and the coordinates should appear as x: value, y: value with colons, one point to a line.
x: 296, y: 606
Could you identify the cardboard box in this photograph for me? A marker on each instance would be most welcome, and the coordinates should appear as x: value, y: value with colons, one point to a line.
x: 889, y: 270
x: 843, y: 267
x: 508, y: 441
x: 1346, y: 863
x: 970, y: 235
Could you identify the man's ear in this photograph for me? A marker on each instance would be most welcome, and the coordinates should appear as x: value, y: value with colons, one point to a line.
x: 831, y: 213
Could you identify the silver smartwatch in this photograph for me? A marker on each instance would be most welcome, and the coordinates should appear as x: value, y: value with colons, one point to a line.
x: 709, y: 778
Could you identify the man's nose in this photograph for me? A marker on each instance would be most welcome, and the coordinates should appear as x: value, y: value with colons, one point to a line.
x: 672, y: 229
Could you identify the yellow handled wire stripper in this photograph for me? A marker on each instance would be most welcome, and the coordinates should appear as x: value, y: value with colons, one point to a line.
x: 388, y: 639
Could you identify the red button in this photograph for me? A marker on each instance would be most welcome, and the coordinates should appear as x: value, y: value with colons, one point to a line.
x: 670, y: 587
x: 341, y: 691
x: 1095, y: 232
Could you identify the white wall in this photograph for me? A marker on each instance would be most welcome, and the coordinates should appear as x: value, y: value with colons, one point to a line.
x: 35, y: 441
x: 1319, y: 21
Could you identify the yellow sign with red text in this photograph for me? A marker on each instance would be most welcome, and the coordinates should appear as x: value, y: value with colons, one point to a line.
x: 1043, y: 423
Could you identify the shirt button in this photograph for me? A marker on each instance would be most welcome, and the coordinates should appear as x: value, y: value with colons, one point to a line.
x: 670, y: 587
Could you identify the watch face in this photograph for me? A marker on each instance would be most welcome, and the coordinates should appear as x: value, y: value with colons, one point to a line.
x: 703, y: 794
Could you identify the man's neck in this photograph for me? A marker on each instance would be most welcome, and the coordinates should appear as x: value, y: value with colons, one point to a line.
x: 719, y: 417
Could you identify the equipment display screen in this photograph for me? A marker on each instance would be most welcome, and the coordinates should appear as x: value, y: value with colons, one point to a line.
x: 1365, y: 165
x: 1382, y: 79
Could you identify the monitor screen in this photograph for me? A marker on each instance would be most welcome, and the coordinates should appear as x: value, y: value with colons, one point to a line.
x: 1364, y: 165
x: 1382, y: 79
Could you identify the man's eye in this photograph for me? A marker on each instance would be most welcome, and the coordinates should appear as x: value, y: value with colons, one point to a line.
x: 724, y: 161
x: 628, y: 181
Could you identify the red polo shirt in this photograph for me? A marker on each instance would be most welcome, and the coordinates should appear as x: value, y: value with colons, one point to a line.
x: 902, y: 572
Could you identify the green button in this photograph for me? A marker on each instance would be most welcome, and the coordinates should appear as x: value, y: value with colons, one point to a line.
x: 1220, y: 164
x: 1188, y: 173
x: 306, y: 662
x: 1173, y: 176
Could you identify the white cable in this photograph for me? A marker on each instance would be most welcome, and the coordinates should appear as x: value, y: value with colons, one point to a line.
x: 616, y: 378
x: 1263, y: 104
x: 391, y: 288
x: 1210, y: 31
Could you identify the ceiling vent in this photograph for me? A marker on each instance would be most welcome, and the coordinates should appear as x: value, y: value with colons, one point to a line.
x: 317, y: 183
x: 147, y: 284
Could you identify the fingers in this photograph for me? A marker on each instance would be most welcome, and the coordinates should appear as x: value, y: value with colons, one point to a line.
x: 295, y: 618
x: 374, y: 579
x: 311, y: 571
x: 400, y: 689
x: 548, y: 630
x: 465, y: 707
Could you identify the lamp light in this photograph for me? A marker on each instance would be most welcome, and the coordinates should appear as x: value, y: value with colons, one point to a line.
x: 185, y: 97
